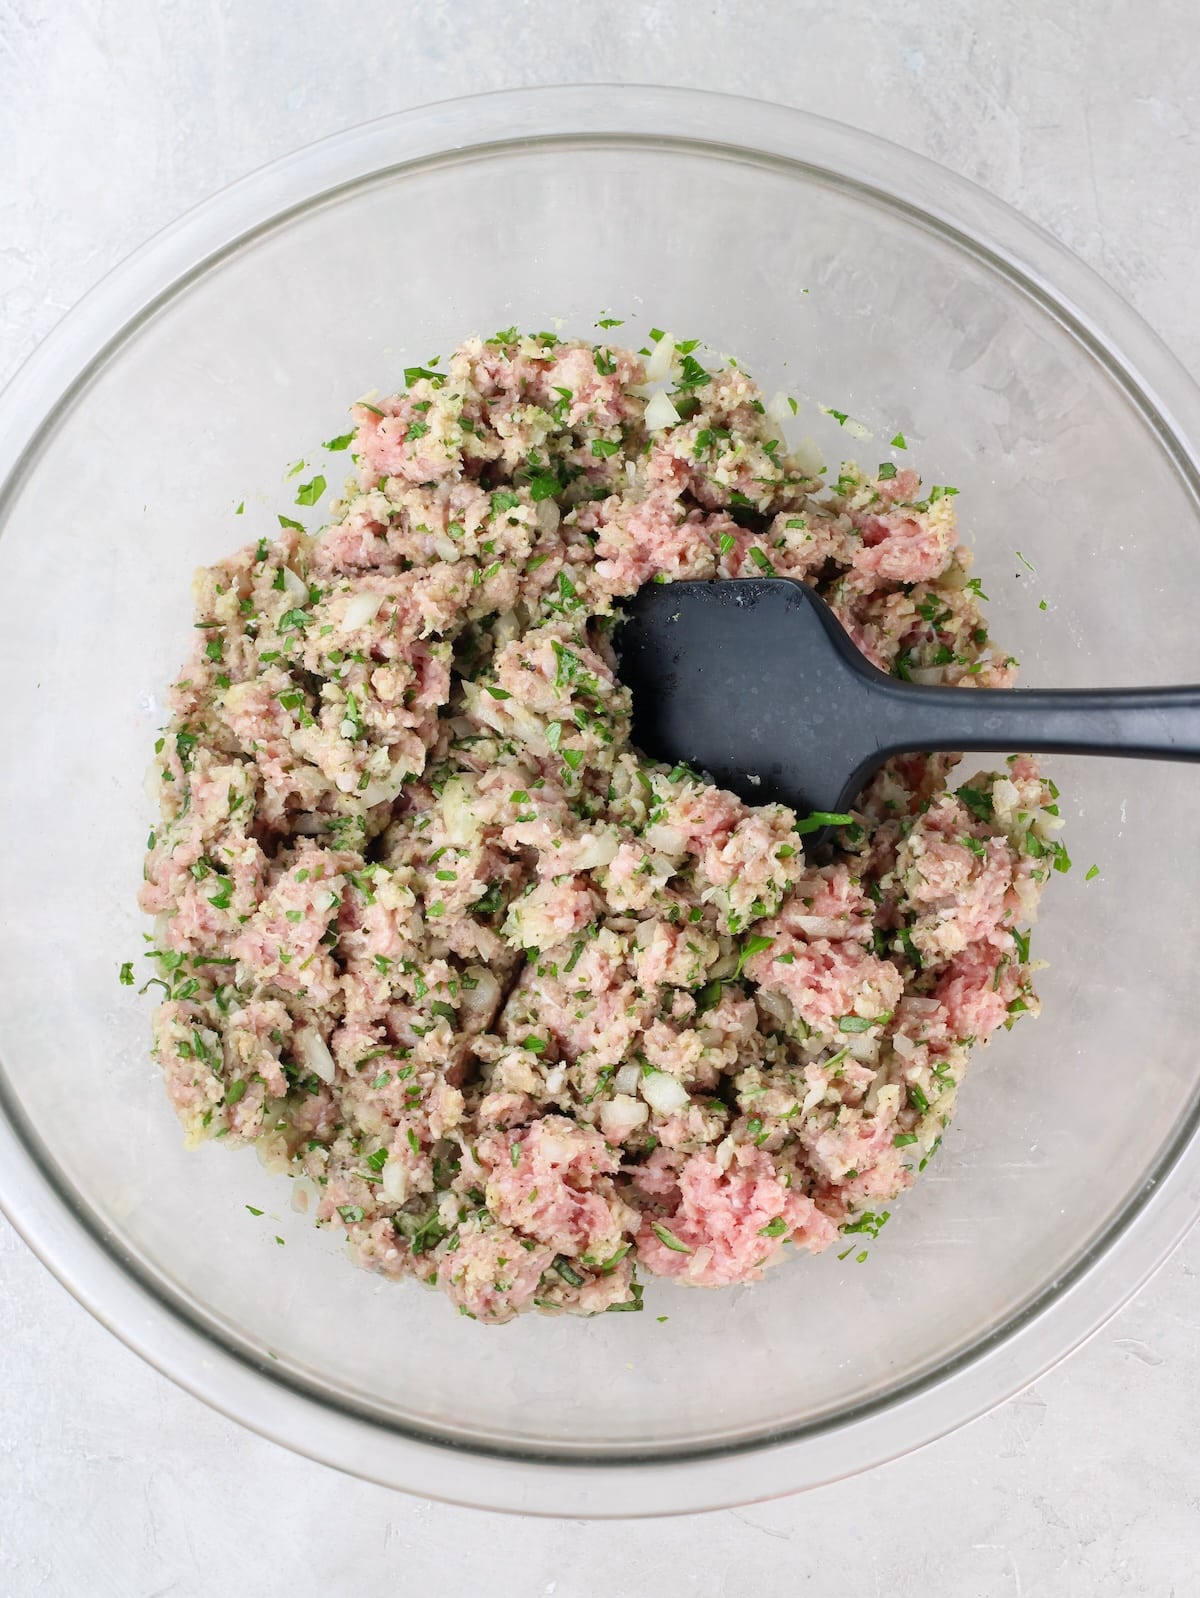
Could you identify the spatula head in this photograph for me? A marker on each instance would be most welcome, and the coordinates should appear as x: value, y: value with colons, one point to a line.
x: 753, y: 683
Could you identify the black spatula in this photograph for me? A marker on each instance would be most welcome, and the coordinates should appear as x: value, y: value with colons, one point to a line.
x: 756, y: 683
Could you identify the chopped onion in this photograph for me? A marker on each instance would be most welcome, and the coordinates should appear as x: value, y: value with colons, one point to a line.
x: 726, y: 1149
x: 663, y: 1093
x: 294, y: 587
x: 383, y: 787
x: 780, y: 408
x: 627, y: 1078
x: 480, y: 1003
x: 394, y: 1181
x: 863, y: 1047
x: 506, y: 717
x: 553, y: 1080
x: 548, y: 515
x: 660, y: 412
x: 727, y: 964
x: 928, y: 676
x: 272, y: 1154
x: 595, y: 850
x: 822, y: 926
x: 505, y: 628
x: 659, y: 364
x: 306, y: 1195
x: 362, y: 608
x: 1005, y: 800
x: 904, y: 1045
x: 665, y: 840
x: 809, y: 457
x: 813, y: 1097
x: 314, y: 1053
x: 882, y: 1101
x: 776, y: 1005
x: 446, y: 547
x: 620, y: 1116
x: 458, y: 800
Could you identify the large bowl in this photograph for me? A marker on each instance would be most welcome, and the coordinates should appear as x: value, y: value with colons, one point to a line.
x: 841, y: 270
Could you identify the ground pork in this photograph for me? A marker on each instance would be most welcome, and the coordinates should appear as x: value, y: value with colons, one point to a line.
x: 528, y: 1009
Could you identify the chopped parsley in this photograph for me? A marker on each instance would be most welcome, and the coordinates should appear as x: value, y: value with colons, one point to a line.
x: 749, y: 949
x: 668, y: 1238
x: 309, y: 493
x: 816, y: 819
x: 863, y: 1023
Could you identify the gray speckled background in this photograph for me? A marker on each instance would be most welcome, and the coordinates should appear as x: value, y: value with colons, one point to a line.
x: 115, y: 115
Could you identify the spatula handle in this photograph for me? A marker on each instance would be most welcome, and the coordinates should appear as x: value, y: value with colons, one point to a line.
x: 1143, y: 723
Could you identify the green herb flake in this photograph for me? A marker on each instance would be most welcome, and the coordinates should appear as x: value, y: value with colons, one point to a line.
x: 1092, y: 871
x: 899, y: 442
x: 668, y: 1239
x: 309, y: 493
x: 125, y: 974
x: 350, y: 1213
x: 342, y: 441
x: 749, y: 949
x: 630, y: 1304
x: 775, y: 1228
x: 817, y: 819
x: 977, y: 802
x: 568, y: 1272
x: 414, y: 374
x: 857, y: 1023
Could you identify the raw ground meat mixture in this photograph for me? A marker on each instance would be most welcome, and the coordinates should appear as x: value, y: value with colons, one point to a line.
x: 521, y: 1008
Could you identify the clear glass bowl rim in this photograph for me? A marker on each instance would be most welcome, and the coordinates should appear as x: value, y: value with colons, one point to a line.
x: 92, y: 1268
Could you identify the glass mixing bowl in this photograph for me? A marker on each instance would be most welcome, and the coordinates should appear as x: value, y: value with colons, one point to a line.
x: 839, y: 269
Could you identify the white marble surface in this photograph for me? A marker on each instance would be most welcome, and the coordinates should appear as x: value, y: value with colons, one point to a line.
x: 117, y: 114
